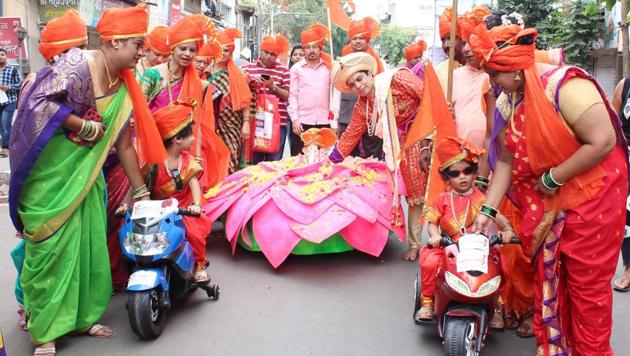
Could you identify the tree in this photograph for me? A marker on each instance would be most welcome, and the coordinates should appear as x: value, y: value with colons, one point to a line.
x: 393, y: 41
x: 535, y: 13
x: 623, y: 28
x: 583, y: 26
x: 298, y: 15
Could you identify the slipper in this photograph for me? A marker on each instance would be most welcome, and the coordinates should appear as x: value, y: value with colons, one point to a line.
x: 618, y: 287
x: 98, y: 330
x: 45, y: 351
x: 424, y: 314
x: 411, y: 254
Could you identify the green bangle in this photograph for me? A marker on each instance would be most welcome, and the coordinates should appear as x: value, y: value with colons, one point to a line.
x: 548, y: 181
x: 483, y: 179
x: 489, y: 211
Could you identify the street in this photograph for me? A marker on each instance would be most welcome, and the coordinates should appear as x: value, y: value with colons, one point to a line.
x: 345, y: 304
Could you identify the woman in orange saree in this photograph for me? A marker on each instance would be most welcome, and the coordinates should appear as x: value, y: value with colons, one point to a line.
x: 563, y: 159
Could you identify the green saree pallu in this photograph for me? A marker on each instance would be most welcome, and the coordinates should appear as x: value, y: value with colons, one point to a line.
x: 61, y: 205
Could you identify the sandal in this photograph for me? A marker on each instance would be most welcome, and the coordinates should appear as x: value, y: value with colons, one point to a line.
x: 425, y: 314
x: 411, y: 254
x: 526, y: 329
x: 497, y: 323
x: 619, y: 287
x: 510, y: 320
x: 43, y: 350
x: 98, y: 330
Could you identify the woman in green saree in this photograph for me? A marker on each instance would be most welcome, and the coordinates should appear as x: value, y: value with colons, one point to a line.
x: 70, y: 118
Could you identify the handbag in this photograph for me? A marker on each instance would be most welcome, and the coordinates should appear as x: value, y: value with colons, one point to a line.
x: 265, y: 125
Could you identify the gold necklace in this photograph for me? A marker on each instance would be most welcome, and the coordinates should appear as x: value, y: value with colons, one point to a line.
x: 109, y: 78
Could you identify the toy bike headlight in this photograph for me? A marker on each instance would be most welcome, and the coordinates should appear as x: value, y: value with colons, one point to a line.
x: 489, y: 287
x: 146, y: 245
x: 457, y: 284
x: 462, y: 288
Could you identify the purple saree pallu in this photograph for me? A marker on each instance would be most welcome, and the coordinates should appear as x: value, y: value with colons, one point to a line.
x: 69, y: 84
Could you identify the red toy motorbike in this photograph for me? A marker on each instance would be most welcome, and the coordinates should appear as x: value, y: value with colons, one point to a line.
x: 465, y: 301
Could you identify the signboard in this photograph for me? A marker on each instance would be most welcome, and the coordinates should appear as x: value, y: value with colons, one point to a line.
x: 89, y: 10
x: 8, y: 37
x: 158, y: 15
x: 50, y: 9
x: 175, y: 13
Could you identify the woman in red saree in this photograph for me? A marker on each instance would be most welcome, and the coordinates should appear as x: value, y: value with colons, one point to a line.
x: 563, y: 160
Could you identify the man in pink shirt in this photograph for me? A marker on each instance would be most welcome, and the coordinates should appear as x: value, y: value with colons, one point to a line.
x: 309, y: 90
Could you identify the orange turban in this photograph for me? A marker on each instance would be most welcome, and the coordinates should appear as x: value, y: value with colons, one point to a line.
x: 415, y: 49
x: 445, y: 24
x: 473, y: 18
x: 125, y: 23
x: 509, y: 56
x: 277, y: 44
x: 157, y: 40
x: 317, y: 34
x: 211, y: 51
x: 367, y: 27
x: 121, y: 23
x: 173, y: 118
x: 454, y: 149
x: 191, y: 28
x: 227, y: 37
x: 62, y: 34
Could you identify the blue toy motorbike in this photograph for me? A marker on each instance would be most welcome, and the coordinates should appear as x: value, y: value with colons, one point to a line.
x: 161, y: 264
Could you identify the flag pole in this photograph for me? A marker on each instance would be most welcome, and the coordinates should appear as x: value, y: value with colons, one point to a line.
x: 451, y: 53
x: 330, y: 41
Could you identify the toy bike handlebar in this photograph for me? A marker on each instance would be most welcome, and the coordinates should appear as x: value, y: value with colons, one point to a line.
x: 494, y: 240
x: 186, y: 212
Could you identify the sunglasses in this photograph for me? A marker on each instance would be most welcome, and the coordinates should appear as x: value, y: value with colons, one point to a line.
x: 456, y: 173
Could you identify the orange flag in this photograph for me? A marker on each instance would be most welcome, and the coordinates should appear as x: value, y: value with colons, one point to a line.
x: 433, y: 120
x: 337, y: 15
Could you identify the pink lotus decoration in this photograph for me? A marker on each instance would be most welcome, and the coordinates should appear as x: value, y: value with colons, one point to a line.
x: 290, y: 201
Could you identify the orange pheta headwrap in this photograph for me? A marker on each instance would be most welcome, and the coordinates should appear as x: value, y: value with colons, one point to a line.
x: 191, y: 28
x: 157, y: 40
x: 211, y: 51
x: 318, y: 34
x: 369, y: 29
x: 62, y: 34
x: 277, y: 44
x: 227, y: 37
x: 549, y: 142
x: 173, y: 118
x: 454, y: 149
x: 473, y: 18
x: 445, y: 24
x: 123, y: 24
x: 240, y: 94
x: 415, y: 49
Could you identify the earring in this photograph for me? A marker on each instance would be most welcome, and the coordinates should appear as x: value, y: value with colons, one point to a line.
x: 517, y: 77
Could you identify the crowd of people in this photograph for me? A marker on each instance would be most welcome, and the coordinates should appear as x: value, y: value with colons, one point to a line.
x: 534, y: 147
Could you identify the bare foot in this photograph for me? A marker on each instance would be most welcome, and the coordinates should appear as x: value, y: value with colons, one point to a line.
x: 425, y: 313
x: 411, y: 254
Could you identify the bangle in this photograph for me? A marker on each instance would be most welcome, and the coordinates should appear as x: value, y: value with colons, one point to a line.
x: 425, y: 148
x: 508, y: 227
x: 195, y: 203
x: 481, y: 185
x: 82, y: 128
x: 483, y: 179
x: 553, y: 179
x: 547, y: 182
x: 488, y: 211
x: 141, y: 192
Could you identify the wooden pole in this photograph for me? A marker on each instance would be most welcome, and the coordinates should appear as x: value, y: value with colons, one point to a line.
x: 623, y: 26
x: 451, y: 53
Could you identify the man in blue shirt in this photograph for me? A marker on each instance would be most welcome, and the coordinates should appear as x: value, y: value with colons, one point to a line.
x: 10, y: 83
